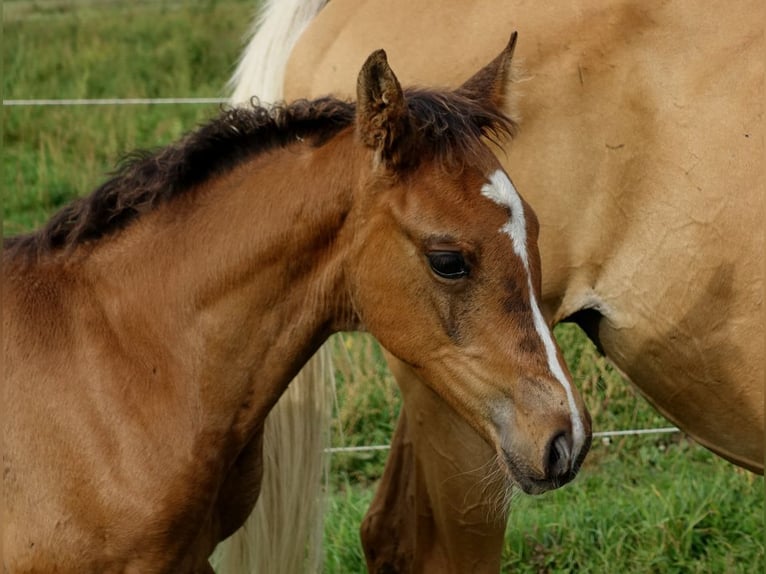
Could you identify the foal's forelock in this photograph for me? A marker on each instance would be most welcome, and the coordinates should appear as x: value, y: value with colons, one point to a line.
x: 500, y: 190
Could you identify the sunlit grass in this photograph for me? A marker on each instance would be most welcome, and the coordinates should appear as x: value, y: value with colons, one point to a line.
x: 89, y: 50
x: 657, y: 503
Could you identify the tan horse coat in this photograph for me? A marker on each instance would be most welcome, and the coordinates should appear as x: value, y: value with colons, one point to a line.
x: 642, y: 148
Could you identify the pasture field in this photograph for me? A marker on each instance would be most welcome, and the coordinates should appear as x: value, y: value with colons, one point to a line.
x: 656, y: 503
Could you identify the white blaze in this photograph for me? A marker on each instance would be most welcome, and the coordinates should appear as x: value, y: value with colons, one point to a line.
x: 501, y: 191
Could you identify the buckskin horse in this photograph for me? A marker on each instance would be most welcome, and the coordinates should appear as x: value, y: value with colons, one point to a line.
x: 151, y: 326
x: 641, y: 149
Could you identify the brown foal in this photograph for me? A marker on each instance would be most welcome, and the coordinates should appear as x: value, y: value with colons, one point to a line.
x: 151, y: 326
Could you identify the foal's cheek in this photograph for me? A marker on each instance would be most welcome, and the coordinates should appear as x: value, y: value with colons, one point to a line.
x: 393, y: 300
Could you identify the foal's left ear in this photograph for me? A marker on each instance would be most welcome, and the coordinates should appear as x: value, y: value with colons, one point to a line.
x: 490, y: 84
x: 382, y: 119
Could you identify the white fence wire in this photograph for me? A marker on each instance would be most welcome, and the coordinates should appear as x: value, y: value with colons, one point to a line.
x: 602, y: 435
x: 202, y: 101
x: 114, y: 102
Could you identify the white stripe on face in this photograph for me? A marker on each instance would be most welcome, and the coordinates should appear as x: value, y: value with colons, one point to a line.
x: 501, y: 191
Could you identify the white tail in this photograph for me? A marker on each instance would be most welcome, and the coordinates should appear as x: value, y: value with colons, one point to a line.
x: 283, y: 535
x: 261, y: 70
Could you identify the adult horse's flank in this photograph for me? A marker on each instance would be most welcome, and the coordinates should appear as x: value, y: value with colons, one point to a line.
x: 151, y: 326
x: 642, y: 151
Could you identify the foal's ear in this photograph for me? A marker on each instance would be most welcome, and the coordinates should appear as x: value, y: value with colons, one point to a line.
x: 382, y: 119
x: 490, y: 84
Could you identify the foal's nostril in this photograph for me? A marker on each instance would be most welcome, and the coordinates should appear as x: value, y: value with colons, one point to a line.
x: 559, y: 461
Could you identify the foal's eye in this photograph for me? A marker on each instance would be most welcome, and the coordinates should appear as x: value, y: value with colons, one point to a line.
x: 448, y: 264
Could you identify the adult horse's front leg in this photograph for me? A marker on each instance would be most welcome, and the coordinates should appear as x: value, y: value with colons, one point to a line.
x: 442, y: 503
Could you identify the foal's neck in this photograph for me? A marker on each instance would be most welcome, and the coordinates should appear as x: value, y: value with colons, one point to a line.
x: 239, y: 281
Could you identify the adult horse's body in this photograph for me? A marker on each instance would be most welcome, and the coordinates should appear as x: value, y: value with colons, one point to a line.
x: 642, y: 146
x: 151, y: 326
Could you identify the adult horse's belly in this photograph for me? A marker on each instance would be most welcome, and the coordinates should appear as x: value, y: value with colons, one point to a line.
x: 641, y: 149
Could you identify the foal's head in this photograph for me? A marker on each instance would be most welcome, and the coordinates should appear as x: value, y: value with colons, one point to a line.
x: 445, y: 271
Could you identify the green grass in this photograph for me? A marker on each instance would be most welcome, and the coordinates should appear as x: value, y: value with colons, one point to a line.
x: 123, y: 49
x: 641, y: 504
x: 656, y: 503
x: 645, y: 509
x: 640, y: 508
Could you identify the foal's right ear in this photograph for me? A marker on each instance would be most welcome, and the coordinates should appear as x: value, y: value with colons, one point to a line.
x: 382, y: 119
x: 490, y: 84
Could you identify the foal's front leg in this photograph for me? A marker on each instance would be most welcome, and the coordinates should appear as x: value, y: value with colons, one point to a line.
x: 440, y: 506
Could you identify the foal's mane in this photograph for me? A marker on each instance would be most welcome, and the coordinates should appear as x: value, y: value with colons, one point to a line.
x: 449, y: 128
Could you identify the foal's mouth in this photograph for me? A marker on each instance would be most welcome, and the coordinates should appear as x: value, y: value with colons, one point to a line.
x: 531, y: 482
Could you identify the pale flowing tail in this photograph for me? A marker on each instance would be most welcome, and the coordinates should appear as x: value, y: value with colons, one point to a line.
x: 276, y: 28
x: 283, y: 535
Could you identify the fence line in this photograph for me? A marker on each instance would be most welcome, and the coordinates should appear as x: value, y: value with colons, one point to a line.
x: 201, y: 101
x: 602, y: 434
x: 115, y: 101
x: 633, y: 432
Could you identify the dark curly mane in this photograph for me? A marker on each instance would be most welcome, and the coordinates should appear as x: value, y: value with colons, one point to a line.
x: 449, y: 125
